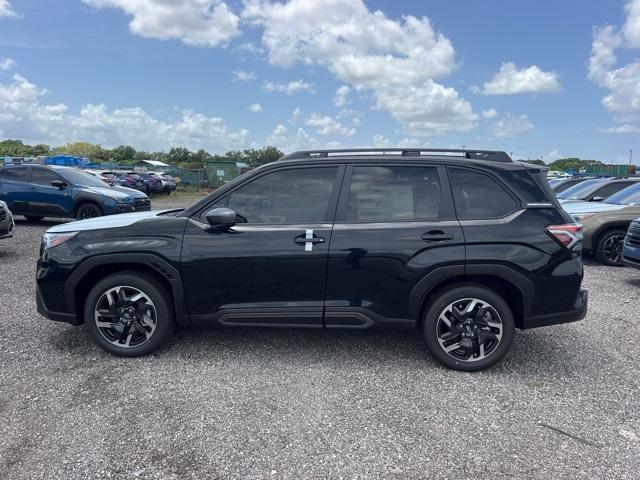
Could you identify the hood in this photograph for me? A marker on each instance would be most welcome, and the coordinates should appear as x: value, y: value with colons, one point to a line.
x: 132, y: 192
x: 591, y: 207
x: 110, y: 221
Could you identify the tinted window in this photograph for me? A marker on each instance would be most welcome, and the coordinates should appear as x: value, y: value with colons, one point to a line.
x: 383, y: 194
x: 612, y: 188
x: 41, y: 176
x: 628, y: 196
x: 77, y: 177
x: 15, y: 174
x: 578, y: 190
x: 298, y: 195
x: 478, y: 196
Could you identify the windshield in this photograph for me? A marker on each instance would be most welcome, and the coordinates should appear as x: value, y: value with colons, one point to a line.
x: 76, y: 177
x: 578, y: 191
x: 627, y: 196
x: 555, y: 181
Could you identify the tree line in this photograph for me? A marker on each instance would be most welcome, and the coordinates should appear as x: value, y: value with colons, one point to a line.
x: 183, y: 157
x: 125, y: 154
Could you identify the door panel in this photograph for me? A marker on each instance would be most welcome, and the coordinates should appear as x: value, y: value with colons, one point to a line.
x: 46, y: 199
x: 395, y: 227
x: 269, y: 269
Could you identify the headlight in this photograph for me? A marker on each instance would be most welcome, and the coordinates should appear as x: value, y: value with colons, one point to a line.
x: 50, y: 240
x: 582, y: 216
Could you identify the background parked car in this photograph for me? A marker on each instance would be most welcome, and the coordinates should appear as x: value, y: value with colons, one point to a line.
x: 6, y: 221
x: 559, y: 185
x: 168, y: 184
x: 153, y: 182
x: 38, y: 191
x: 595, y: 190
x: 606, y: 223
x: 631, y: 251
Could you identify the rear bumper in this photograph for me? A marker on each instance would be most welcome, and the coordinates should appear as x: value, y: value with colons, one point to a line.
x: 577, y: 313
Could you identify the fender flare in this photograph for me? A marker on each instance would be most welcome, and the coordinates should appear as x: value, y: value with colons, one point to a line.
x: 156, y: 263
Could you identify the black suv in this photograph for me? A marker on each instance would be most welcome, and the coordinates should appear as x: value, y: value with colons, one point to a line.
x: 463, y: 245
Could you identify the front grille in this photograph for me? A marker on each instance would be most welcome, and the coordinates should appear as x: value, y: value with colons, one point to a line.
x: 142, y: 202
x: 633, y: 235
x: 3, y: 214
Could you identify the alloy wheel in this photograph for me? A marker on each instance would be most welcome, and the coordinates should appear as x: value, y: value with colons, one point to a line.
x: 612, y: 248
x: 469, y: 329
x: 87, y: 211
x: 125, y: 316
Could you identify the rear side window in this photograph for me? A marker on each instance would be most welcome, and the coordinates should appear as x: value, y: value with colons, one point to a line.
x: 478, y: 196
x: 14, y: 174
x: 41, y: 176
x: 298, y: 195
x: 612, y: 188
x: 387, y: 194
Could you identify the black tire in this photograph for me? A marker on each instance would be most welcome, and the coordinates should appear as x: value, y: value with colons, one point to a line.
x: 432, y: 327
x: 88, y: 210
x: 161, y: 301
x: 609, y: 248
x: 33, y: 218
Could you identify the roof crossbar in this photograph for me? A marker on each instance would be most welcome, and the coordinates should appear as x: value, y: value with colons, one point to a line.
x: 490, y: 155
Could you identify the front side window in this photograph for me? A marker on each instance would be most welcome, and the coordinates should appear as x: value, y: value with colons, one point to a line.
x: 387, y: 194
x: 478, y: 196
x: 41, y: 176
x: 14, y: 174
x: 292, y: 196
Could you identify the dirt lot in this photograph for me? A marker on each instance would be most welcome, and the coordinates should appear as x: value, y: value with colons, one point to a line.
x: 565, y: 403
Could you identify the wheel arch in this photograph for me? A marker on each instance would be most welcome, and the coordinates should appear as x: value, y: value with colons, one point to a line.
x: 84, y: 201
x: 94, y: 269
x: 516, y: 290
x: 617, y: 225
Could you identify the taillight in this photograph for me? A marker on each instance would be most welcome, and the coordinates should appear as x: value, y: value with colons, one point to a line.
x: 568, y: 235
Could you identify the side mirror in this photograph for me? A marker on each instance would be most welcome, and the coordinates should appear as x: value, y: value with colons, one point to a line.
x: 221, y: 217
x: 58, y: 184
x: 597, y: 199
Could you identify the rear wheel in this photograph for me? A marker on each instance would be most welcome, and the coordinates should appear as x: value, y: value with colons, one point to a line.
x: 468, y: 327
x: 88, y: 210
x: 129, y: 314
x: 609, y: 248
x: 33, y: 218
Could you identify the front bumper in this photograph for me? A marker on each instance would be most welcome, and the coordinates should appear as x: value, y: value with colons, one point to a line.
x: 6, y: 228
x: 578, y: 312
x: 51, y: 315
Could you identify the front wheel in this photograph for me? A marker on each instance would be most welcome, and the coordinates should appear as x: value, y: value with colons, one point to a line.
x: 88, y: 210
x: 129, y: 314
x: 609, y: 248
x: 468, y: 327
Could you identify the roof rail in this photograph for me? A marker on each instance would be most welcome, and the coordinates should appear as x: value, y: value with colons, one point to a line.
x: 491, y: 155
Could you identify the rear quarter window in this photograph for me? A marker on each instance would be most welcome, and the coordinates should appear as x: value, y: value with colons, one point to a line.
x: 478, y: 196
x: 14, y: 174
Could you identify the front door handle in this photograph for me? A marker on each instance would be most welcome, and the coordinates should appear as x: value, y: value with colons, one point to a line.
x: 436, y: 236
x: 308, y: 239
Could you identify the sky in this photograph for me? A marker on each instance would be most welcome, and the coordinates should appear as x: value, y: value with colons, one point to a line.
x: 539, y: 79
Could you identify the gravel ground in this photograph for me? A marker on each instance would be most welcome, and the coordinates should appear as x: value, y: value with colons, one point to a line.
x: 564, y: 403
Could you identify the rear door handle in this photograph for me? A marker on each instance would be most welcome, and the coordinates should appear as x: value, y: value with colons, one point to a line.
x: 308, y: 239
x: 436, y: 236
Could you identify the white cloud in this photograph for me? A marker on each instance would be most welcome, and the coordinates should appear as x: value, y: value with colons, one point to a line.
x: 511, y: 126
x: 395, y: 60
x: 290, y: 142
x: 622, y: 129
x: 6, y: 10
x: 256, y: 108
x: 631, y: 28
x: 623, y: 83
x: 342, y: 96
x: 202, y: 23
x: 380, y: 141
x: 490, y: 113
x: 326, y: 125
x: 552, y: 156
x: 510, y: 81
x: 22, y: 115
x: 243, y: 75
x: 290, y: 88
x: 7, y: 63
x: 295, y: 116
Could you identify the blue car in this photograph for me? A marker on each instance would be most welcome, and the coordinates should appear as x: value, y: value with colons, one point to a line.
x: 631, y: 251
x: 38, y: 191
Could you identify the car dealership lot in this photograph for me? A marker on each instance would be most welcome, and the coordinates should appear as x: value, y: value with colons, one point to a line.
x: 215, y: 403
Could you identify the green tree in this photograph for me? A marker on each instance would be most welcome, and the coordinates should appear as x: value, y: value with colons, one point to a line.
x: 179, y: 155
x: 260, y: 156
x: 123, y: 154
x: 78, y: 149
